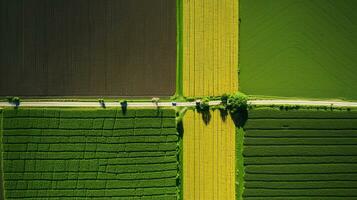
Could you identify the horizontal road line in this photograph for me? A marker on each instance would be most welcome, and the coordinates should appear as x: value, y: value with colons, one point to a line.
x: 179, y: 104
x: 304, y: 103
x: 109, y: 104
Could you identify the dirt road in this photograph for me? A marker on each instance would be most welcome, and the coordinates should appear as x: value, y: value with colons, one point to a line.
x: 181, y: 104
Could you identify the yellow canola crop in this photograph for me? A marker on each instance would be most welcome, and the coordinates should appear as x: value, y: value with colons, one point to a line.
x: 210, y: 47
x: 208, y: 157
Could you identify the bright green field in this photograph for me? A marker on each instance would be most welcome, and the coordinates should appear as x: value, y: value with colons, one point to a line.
x: 90, y: 153
x: 299, y: 48
x: 300, y: 155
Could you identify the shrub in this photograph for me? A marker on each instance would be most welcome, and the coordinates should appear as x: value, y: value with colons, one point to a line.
x: 235, y: 102
x: 101, y: 102
x: 202, y: 106
x: 14, y: 100
x: 224, y: 99
x: 155, y: 100
x: 124, y: 105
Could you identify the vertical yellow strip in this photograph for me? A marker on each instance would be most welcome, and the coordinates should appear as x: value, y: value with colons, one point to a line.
x: 185, y: 41
x: 210, y: 45
x: 235, y: 45
x: 209, y: 160
x: 188, y: 155
x: 210, y: 68
x: 225, y: 51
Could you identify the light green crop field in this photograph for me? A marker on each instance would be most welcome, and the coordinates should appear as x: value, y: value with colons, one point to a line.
x: 90, y: 153
x: 299, y: 154
x: 298, y: 48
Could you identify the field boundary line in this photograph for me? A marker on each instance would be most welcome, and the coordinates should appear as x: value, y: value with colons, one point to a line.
x: 180, y: 104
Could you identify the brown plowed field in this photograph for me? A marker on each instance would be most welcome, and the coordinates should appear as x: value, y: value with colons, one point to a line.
x: 87, y: 48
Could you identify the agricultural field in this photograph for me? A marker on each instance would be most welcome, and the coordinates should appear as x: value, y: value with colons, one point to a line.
x: 53, y: 52
x: 208, y: 157
x: 87, y: 48
x: 210, y: 47
x: 298, y: 48
x: 300, y: 154
x: 1, y: 156
x: 90, y: 153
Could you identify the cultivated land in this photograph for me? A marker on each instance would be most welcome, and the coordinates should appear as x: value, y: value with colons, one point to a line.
x: 87, y: 48
x: 300, y: 154
x: 208, y: 157
x: 210, y: 47
x: 298, y: 48
x: 90, y: 153
x: 1, y: 156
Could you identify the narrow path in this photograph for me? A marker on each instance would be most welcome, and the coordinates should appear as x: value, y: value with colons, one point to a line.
x: 304, y: 103
x: 182, y: 104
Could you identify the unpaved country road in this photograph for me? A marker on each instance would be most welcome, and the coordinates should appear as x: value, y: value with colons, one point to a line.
x: 304, y: 103
x: 181, y: 104
x: 97, y: 104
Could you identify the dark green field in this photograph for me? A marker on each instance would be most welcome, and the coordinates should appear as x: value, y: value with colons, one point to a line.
x: 298, y: 48
x: 300, y: 155
x: 93, y: 153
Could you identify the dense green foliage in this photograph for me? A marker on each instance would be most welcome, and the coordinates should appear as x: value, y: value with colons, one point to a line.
x: 203, y: 105
x: 14, y: 100
x: 90, y: 153
x: 300, y: 154
x: 235, y: 102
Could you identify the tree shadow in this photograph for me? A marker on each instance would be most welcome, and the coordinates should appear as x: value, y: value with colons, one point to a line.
x: 206, y: 116
x: 239, y: 117
x: 180, y: 129
x: 124, y: 107
x: 158, y: 112
x: 223, y: 113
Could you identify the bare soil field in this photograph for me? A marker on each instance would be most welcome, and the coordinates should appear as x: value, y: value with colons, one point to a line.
x: 87, y: 48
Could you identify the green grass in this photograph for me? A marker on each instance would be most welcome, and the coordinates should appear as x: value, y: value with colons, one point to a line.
x: 301, y: 49
x: 240, y: 170
x: 179, y: 60
x: 1, y: 156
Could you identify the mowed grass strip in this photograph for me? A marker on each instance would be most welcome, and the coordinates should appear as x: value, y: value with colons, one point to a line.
x: 78, y: 139
x: 301, y: 150
x: 300, y: 141
x: 284, y: 133
x: 89, y: 184
x: 126, y: 194
x: 302, y: 168
x: 307, y: 192
x: 270, y: 113
x: 344, y: 176
x: 314, y: 124
x: 267, y: 160
x: 90, y: 132
x: 36, y: 155
x: 53, y: 176
x: 301, y: 185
